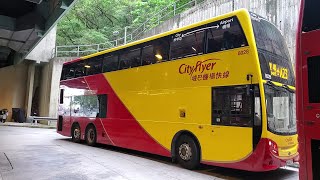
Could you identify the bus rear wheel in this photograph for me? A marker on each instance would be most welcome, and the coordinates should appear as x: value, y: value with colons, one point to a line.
x: 91, y: 135
x: 76, y: 133
x: 187, y: 152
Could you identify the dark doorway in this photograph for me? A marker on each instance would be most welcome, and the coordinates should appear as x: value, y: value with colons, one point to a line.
x: 315, y: 152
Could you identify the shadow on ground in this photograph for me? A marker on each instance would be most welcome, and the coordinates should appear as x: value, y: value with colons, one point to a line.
x: 220, y: 172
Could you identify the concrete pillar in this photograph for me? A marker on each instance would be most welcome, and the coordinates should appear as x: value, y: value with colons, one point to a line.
x: 49, y: 86
x: 55, y: 83
x: 29, y: 89
x: 56, y: 69
x: 45, y: 89
x: 45, y: 50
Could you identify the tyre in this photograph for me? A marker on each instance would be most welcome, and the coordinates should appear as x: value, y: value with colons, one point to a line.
x: 91, y: 135
x: 76, y: 133
x: 187, y: 152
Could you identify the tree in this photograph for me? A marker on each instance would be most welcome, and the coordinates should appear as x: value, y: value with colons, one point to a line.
x: 94, y: 21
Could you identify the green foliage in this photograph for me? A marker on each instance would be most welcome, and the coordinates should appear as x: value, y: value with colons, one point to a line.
x: 94, y: 21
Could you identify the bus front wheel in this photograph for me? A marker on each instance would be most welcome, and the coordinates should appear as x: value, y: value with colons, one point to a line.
x: 91, y: 135
x: 76, y: 133
x: 187, y: 152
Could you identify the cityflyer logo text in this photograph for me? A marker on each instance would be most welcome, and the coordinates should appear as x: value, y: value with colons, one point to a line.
x: 200, y: 66
x: 203, y: 70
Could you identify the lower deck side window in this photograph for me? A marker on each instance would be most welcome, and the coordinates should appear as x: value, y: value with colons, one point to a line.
x: 89, y: 106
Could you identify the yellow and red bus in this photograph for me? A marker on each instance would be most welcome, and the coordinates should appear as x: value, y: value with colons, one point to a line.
x: 218, y: 92
x: 308, y: 89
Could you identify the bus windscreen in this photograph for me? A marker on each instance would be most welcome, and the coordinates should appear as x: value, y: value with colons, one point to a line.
x: 268, y: 37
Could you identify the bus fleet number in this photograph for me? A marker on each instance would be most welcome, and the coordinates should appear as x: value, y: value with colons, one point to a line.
x: 243, y: 52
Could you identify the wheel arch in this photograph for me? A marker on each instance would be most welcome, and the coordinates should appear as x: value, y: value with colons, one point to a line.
x: 175, y: 139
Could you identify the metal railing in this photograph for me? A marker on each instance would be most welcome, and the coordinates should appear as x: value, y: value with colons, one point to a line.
x: 34, y: 119
x: 137, y: 32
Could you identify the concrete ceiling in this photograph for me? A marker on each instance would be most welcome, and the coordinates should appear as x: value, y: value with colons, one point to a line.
x: 23, y: 23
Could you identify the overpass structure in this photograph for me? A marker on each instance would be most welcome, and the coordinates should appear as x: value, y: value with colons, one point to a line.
x: 23, y: 23
x: 27, y: 39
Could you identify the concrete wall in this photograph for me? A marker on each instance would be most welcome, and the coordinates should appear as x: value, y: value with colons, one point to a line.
x: 18, y: 84
x: 44, y: 51
x: 13, y: 82
x: 283, y: 13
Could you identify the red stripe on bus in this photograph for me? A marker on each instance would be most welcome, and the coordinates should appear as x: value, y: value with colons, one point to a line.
x: 121, y: 126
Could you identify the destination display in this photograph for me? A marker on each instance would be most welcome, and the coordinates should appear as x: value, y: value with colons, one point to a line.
x: 277, y: 69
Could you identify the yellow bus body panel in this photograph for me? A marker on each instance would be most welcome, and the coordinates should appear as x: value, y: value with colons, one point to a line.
x: 156, y: 94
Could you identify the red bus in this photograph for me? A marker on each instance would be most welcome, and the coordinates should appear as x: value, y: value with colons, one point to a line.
x: 308, y: 89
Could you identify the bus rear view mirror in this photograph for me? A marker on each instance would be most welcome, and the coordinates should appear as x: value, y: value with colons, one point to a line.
x: 249, y: 90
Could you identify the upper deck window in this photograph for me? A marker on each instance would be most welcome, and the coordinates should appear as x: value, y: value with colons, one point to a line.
x: 225, y: 34
x: 94, y: 65
x: 68, y: 72
x: 155, y: 51
x: 187, y: 43
x: 217, y: 36
x: 80, y: 69
x: 148, y: 55
x: 130, y: 59
x: 110, y: 63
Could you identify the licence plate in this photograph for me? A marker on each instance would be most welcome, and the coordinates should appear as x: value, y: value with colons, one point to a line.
x: 290, y: 161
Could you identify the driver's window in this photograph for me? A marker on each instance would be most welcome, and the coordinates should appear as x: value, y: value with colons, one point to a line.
x: 232, y: 106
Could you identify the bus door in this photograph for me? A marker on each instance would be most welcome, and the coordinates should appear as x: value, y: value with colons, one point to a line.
x: 65, y: 115
x: 233, y: 117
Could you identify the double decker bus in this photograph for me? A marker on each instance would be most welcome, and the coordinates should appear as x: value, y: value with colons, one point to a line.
x: 308, y: 89
x: 218, y: 92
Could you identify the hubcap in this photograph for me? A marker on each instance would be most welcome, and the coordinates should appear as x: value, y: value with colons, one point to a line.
x: 185, y: 151
x: 76, y: 133
x: 91, y: 135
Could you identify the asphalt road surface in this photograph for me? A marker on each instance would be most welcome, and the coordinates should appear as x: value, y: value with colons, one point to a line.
x: 34, y: 153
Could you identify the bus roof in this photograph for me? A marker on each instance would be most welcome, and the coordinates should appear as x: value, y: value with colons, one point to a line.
x: 72, y: 61
x: 242, y: 10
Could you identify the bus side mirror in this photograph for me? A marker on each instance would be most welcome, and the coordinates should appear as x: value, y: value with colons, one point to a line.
x: 249, y: 90
x: 249, y: 87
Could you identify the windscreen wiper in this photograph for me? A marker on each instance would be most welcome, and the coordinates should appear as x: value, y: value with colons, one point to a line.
x: 269, y: 83
x: 287, y: 88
